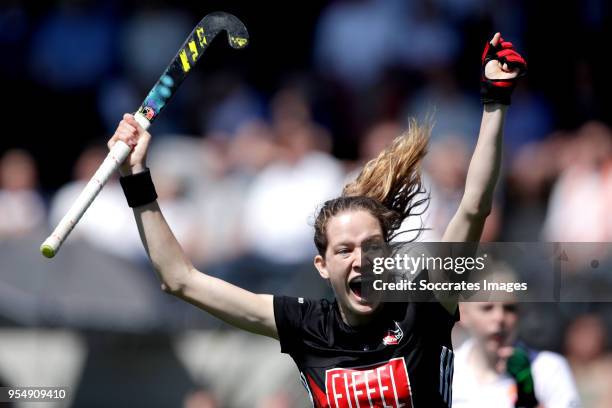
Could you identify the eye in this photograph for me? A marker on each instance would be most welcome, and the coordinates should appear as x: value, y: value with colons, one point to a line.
x: 510, y: 308
x: 373, y: 245
x: 486, y: 307
x: 343, y: 251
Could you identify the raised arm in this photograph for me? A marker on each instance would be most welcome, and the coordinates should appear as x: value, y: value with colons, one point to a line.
x: 501, y: 67
x: 468, y: 222
x: 236, y: 306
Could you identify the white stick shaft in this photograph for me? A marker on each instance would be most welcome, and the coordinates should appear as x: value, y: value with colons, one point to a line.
x: 111, y: 163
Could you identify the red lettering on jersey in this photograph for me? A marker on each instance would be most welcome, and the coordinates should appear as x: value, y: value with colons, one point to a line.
x: 381, y: 385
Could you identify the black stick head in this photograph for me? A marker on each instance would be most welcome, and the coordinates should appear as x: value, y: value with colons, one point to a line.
x: 237, y: 34
x: 189, y: 54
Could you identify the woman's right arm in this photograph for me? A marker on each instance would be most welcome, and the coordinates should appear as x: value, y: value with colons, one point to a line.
x: 236, y: 306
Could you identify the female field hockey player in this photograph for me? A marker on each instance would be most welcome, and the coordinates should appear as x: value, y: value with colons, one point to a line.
x: 352, y: 352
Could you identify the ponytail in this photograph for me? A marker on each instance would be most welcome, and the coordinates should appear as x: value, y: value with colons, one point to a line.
x: 387, y: 186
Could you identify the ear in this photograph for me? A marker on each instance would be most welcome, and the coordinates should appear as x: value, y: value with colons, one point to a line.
x: 319, y: 263
x: 465, y: 313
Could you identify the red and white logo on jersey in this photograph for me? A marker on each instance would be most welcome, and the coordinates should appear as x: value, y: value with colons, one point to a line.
x: 380, y: 385
x: 393, y: 336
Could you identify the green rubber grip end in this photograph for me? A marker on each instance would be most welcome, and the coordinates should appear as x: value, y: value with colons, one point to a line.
x: 47, y: 251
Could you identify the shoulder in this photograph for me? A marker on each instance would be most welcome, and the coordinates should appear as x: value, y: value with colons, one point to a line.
x: 546, y: 362
x: 299, y: 306
x: 297, y: 317
x: 550, y: 366
x: 554, y: 381
x: 463, y: 350
x: 435, y: 317
x: 460, y: 361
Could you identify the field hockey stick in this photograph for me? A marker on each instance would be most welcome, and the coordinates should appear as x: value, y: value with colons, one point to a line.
x: 165, y: 87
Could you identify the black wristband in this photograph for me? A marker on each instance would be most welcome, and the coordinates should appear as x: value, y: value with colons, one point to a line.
x: 138, y: 188
x: 489, y: 93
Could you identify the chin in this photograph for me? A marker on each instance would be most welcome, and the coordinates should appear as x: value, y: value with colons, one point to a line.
x: 493, y: 347
x: 362, y: 307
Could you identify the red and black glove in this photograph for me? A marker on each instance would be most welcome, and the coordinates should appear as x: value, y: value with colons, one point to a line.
x: 499, y: 90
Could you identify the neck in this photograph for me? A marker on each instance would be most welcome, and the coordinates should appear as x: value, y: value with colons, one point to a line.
x: 484, y: 364
x: 354, y: 319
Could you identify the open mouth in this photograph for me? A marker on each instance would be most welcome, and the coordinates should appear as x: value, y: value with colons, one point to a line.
x: 361, y: 286
x: 498, y: 337
x: 356, y: 286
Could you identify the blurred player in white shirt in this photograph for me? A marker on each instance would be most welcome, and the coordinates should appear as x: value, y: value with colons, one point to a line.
x: 493, y: 369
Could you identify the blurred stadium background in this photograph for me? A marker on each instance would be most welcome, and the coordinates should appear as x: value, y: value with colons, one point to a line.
x: 252, y: 143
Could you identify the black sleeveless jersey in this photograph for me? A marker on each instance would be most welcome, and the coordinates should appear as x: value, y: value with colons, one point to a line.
x: 403, y: 359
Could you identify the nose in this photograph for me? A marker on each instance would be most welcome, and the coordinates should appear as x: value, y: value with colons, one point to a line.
x: 497, y: 314
x: 357, y: 258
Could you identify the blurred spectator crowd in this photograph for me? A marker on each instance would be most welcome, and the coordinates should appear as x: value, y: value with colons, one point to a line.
x: 241, y: 167
x: 257, y: 190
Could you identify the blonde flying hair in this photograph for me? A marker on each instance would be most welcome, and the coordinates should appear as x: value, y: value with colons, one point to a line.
x: 386, y: 187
